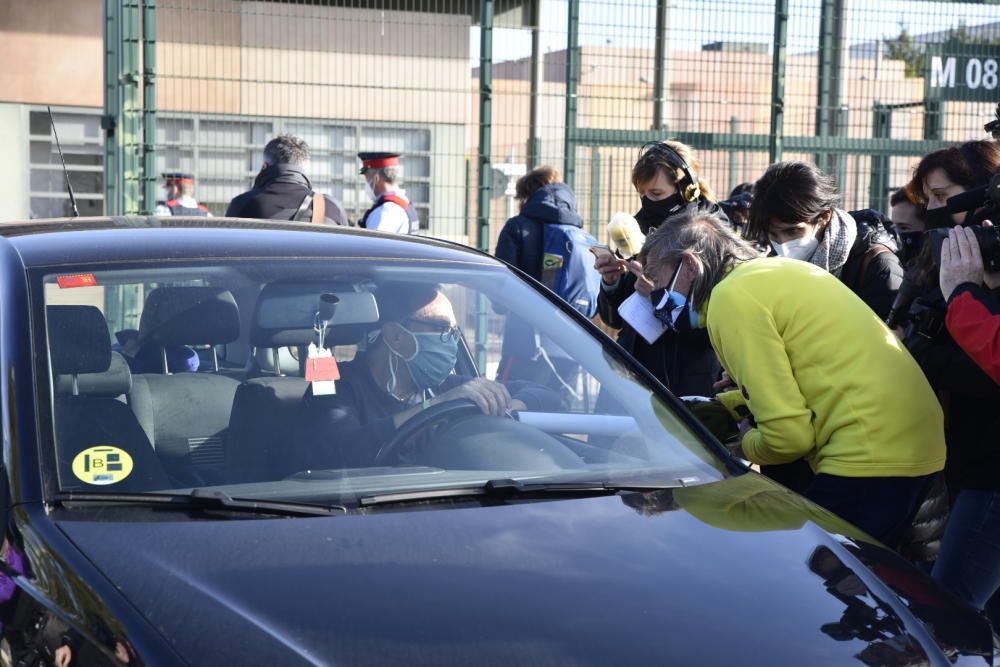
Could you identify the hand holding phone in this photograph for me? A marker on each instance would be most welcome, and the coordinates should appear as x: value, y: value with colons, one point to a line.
x: 610, y: 266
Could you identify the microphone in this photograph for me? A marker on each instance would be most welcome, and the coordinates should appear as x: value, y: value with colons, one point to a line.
x: 624, y: 232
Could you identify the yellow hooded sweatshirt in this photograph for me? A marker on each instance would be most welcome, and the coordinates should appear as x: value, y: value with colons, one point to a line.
x: 823, y: 377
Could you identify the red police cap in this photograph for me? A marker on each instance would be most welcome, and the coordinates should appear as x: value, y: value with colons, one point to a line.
x: 378, y: 160
x: 172, y: 177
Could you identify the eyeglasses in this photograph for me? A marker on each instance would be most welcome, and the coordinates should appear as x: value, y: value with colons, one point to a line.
x: 449, y: 333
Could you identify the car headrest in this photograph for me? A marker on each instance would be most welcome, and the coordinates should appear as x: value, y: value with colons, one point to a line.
x: 115, y: 381
x: 190, y: 316
x: 285, y: 315
x: 79, y: 341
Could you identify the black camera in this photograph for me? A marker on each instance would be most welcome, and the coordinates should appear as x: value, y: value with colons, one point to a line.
x: 987, y: 237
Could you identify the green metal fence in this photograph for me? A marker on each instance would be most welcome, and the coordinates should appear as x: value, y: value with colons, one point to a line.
x: 474, y: 92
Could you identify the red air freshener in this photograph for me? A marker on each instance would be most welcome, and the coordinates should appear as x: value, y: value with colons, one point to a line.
x: 321, y: 369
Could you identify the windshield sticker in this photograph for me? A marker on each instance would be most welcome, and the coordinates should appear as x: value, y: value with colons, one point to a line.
x: 78, y: 280
x: 102, y: 465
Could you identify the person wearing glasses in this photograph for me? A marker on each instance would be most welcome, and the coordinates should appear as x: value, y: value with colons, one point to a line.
x: 407, y: 366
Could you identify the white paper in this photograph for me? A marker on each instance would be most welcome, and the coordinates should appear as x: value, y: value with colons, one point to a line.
x: 638, y: 312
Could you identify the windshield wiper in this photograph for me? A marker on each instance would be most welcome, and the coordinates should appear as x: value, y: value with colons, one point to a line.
x: 202, y: 500
x: 510, y: 488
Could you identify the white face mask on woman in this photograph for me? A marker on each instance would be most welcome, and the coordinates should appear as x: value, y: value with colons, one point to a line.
x: 801, y: 249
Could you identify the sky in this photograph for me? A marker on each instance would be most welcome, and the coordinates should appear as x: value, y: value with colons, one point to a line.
x: 631, y: 23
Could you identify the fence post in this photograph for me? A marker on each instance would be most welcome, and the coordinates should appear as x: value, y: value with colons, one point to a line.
x: 130, y: 132
x: 112, y: 108
x: 537, y: 85
x: 149, y: 106
x: 661, y: 73
x: 734, y: 128
x: 879, y: 177
x: 485, y: 168
x: 595, y: 190
x: 572, y: 83
x: 778, y: 80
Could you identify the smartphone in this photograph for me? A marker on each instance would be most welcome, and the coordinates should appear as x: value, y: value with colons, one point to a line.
x: 600, y: 250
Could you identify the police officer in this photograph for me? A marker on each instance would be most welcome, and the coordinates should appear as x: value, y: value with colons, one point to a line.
x: 391, y: 210
x: 178, y: 196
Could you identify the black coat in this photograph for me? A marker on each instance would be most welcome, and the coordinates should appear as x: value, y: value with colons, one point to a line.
x: 277, y: 194
x: 969, y: 397
x: 684, y: 362
x: 883, y: 273
x: 522, y: 238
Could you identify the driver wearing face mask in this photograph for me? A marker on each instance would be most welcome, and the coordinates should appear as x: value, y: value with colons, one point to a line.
x: 408, y: 366
x: 391, y: 210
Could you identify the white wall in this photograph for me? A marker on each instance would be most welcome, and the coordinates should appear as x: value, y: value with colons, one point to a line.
x: 14, y: 181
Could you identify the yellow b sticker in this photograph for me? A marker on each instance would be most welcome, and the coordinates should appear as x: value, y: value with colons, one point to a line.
x: 102, y: 465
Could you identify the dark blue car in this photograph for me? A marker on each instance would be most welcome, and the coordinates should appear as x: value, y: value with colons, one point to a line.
x: 349, y: 475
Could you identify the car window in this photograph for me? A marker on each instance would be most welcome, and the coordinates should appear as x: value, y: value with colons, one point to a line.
x: 416, y: 375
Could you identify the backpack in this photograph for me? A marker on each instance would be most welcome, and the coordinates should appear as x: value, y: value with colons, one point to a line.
x: 568, y: 267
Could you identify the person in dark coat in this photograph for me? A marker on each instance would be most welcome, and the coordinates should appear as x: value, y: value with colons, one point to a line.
x: 543, y: 200
x: 665, y: 176
x: 969, y: 561
x: 282, y: 191
x: 794, y: 210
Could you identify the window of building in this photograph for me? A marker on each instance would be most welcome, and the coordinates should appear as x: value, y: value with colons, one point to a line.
x: 224, y: 154
x: 83, y: 147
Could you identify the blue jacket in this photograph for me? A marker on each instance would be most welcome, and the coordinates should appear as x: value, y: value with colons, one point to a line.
x: 522, y: 238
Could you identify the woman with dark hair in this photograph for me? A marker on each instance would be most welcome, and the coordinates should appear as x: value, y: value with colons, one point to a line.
x: 666, y: 179
x: 969, y: 559
x: 795, y: 210
x: 952, y: 171
x: 802, y: 351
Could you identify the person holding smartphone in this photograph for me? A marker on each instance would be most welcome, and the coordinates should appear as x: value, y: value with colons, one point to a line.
x: 666, y: 179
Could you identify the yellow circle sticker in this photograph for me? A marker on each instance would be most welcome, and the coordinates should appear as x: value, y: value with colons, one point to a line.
x: 102, y: 465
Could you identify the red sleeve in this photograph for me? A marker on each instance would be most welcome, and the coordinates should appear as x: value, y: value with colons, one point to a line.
x: 974, y: 322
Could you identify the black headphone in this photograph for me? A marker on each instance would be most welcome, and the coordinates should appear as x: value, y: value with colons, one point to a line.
x: 687, y: 186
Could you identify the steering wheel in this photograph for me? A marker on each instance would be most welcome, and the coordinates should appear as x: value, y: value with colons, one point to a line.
x: 460, y: 407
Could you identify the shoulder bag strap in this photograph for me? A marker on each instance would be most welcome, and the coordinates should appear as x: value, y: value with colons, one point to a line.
x: 319, y: 208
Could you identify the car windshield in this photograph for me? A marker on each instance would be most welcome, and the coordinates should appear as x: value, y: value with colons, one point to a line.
x: 334, y: 380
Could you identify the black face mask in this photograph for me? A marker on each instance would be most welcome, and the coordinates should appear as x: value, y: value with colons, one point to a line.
x: 910, y: 244
x: 655, y: 212
x: 939, y: 217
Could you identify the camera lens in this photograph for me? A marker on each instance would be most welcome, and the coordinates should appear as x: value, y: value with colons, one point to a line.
x: 989, y: 246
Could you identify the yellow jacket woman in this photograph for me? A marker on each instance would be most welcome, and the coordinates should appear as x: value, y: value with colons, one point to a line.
x: 818, y: 375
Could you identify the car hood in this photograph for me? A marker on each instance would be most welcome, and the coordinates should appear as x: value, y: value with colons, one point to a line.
x: 719, y: 574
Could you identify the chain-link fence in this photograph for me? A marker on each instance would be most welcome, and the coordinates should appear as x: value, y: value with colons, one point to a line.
x: 861, y: 88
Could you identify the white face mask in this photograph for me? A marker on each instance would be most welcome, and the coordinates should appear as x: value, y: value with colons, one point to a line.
x: 801, y: 249
x: 369, y: 191
x: 165, y: 194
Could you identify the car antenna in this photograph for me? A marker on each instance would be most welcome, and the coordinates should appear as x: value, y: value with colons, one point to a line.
x: 69, y: 186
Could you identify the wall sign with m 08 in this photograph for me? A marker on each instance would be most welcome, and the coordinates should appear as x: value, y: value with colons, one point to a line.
x: 962, y: 72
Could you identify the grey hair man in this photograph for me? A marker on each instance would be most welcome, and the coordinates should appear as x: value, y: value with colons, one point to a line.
x: 282, y: 191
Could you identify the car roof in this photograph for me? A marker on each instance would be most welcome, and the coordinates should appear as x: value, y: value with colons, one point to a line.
x: 67, y: 241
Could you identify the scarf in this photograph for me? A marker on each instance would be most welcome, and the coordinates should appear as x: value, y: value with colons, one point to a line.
x: 841, y: 232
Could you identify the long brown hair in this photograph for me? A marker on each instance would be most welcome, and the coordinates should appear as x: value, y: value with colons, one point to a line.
x: 970, y: 165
